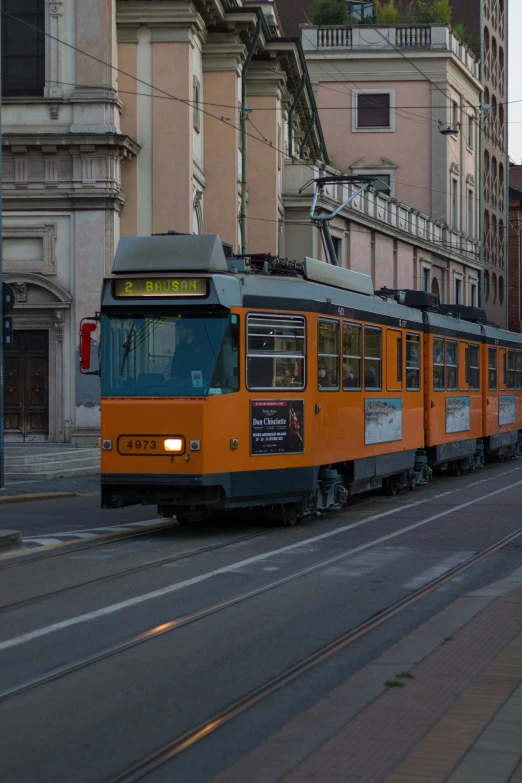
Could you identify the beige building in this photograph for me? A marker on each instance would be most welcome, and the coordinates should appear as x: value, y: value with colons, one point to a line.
x: 389, y: 98
x: 124, y: 117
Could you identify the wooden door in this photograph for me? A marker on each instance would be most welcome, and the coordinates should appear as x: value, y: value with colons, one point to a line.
x: 26, y: 396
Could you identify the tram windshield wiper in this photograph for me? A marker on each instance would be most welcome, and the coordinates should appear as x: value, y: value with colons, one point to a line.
x: 127, y: 345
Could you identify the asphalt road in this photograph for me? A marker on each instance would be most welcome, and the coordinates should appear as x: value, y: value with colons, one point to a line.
x: 93, y: 721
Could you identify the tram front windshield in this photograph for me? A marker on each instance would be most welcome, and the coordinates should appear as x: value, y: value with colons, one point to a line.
x: 174, y: 355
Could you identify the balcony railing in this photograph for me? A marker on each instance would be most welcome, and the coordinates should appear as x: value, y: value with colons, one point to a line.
x: 420, y: 37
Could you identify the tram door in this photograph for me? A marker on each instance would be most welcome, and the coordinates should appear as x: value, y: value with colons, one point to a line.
x: 26, y: 390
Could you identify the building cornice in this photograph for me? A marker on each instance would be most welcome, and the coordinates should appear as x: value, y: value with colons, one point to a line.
x: 69, y: 141
x: 168, y: 22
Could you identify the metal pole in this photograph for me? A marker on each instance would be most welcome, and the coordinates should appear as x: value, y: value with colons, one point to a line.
x: 2, y: 476
x: 244, y: 115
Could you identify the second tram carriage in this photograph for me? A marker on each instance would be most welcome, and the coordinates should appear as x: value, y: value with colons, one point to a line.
x: 256, y: 381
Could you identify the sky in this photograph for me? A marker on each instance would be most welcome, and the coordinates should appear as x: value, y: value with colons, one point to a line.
x: 515, y: 79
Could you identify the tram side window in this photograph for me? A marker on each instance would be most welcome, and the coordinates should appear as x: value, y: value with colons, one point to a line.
x: 438, y: 364
x: 451, y: 365
x: 328, y: 355
x: 492, y: 369
x: 473, y: 356
x: 352, y: 358
x: 372, y: 358
x: 511, y: 370
x: 276, y: 351
x: 412, y: 362
x: 518, y: 370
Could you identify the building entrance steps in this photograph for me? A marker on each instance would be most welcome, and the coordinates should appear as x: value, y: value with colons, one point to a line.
x: 43, y: 461
x: 457, y: 720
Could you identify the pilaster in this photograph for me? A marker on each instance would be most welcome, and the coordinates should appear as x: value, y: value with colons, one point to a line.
x: 96, y: 107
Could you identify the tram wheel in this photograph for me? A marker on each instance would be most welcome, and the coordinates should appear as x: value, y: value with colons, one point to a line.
x: 456, y: 468
x: 391, y: 486
x: 187, y: 518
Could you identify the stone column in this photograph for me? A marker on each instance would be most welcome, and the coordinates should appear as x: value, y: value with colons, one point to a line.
x: 222, y: 59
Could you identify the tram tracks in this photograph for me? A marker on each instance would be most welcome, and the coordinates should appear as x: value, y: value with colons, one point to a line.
x: 138, y: 769
x: 129, y: 571
x: 185, y: 620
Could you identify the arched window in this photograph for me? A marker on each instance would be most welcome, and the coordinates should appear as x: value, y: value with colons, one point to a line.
x: 23, y: 48
x: 501, y: 117
x: 486, y: 286
x: 486, y: 40
x: 494, y: 287
x: 494, y: 107
x: 501, y: 289
x: 435, y: 287
x: 494, y: 49
x: 493, y: 168
x: 486, y: 161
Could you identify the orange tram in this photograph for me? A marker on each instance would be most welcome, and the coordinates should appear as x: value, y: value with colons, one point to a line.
x: 241, y: 382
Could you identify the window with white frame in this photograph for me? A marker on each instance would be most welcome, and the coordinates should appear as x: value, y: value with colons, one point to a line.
x: 471, y: 201
x: 426, y: 278
x: 455, y: 118
x: 374, y: 110
x: 458, y: 290
x: 471, y: 131
x: 454, y: 203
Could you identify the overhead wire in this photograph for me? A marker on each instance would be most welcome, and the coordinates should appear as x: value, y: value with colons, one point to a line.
x: 226, y: 121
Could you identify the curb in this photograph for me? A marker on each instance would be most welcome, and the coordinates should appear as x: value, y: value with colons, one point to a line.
x: 37, y: 496
x: 10, y: 537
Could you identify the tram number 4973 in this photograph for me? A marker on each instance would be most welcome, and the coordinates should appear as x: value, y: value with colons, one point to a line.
x: 141, y: 445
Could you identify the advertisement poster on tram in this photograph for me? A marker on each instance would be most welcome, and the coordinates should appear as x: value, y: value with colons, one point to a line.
x: 457, y: 414
x: 506, y: 409
x: 276, y: 426
x: 382, y: 420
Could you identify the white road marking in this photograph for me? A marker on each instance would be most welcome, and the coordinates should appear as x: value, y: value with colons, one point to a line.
x: 436, y: 570
x: 87, y: 531
x: 169, y: 589
x: 45, y: 540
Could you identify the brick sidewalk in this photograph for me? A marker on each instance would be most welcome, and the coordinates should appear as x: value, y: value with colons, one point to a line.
x: 430, y: 730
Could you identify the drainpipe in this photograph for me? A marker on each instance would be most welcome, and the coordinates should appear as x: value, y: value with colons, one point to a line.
x: 290, y: 114
x: 244, y: 135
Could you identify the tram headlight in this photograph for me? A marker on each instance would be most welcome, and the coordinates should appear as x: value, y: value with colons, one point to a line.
x: 173, y: 445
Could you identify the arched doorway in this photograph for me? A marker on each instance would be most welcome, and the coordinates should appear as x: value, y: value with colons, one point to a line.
x: 435, y: 287
x: 34, y: 366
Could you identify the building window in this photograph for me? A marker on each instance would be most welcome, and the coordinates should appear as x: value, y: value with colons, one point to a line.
x: 338, y: 247
x: 471, y: 131
x: 501, y: 289
x: 23, y: 48
x: 458, y: 290
x: 473, y: 295
x: 373, y: 110
x: 454, y: 202
x: 196, y: 98
x: 382, y: 184
x: 455, y: 114
x: 361, y: 11
x: 425, y: 279
x: 486, y: 286
x: 470, y: 213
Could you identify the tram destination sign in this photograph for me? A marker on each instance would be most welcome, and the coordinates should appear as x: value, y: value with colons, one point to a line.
x: 276, y: 426
x: 159, y: 287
